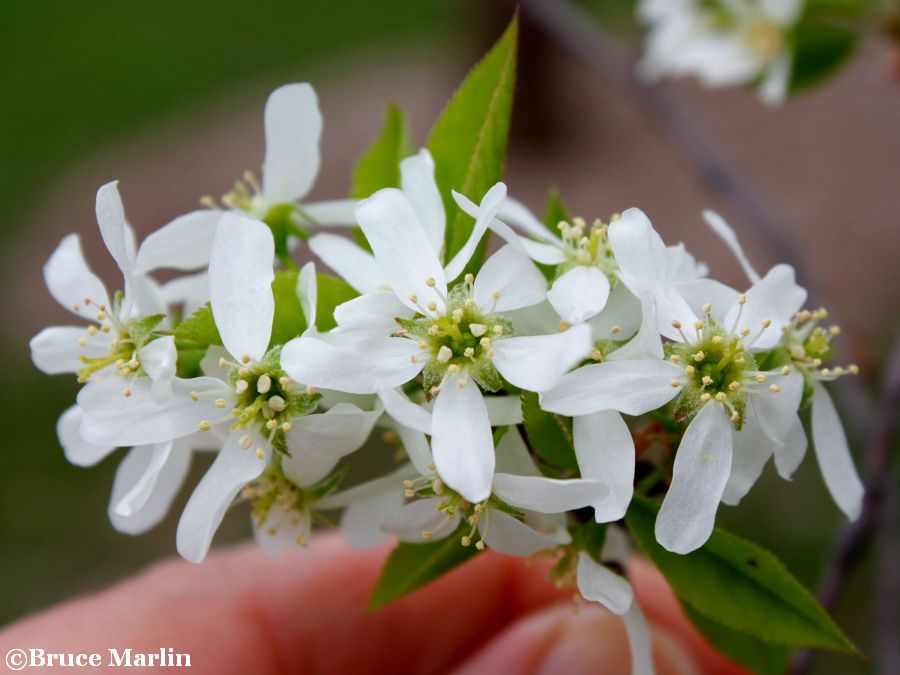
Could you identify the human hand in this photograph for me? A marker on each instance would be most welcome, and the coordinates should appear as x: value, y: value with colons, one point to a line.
x: 243, y: 612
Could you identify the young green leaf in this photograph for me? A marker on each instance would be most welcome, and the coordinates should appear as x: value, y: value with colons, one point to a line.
x: 549, y: 434
x: 740, y: 585
x: 819, y: 50
x: 199, y: 328
x: 758, y: 656
x: 332, y: 292
x: 411, y: 566
x: 469, y: 139
x: 289, y: 321
x: 555, y: 212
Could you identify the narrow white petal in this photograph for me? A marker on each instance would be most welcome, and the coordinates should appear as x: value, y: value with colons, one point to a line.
x: 486, y: 211
x: 508, y: 281
x: 463, y: 453
x: 646, y: 344
x: 70, y: 280
x: 146, y: 483
x: 579, y: 294
x: 515, y: 213
x: 240, y: 285
x: 513, y: 456
x: 158, y: 359
x: 306, y: 468
x: 605, y: 451
x: 191, y: 291
x: 114, y: 229
x: 504, y: 410
x: 548, y: 495
x: 332, y: 212
x: 77, y: 450
x: 110, y: 418
x: 833, y: 453
x: 422, y: 515
x: 776, y: 412
x: 718, y: 225
x: 536, y: 362
x: 373, y: 314
x: 334, y: 433
x: 402, y: 249
x: 631, y: 387
x: 58, y: 349
x: 639, y: 251
x: 417, y: 449
x: 293, y: 127
x: 752, y: 449
x: 417, y: 182
x: 639, y: 641
x: 356, y: 266
x: 308, y: 292
x: 683, y: 267
x: 232, y: 470
x: 701, y: 470
x: 390, y: 483
x: 700, y: 292
x: 622, y: 312
x: 504, y: 534
x: 355, y: 367
x: 361, y: 521
x: 789, y: 455
x: 183, y: 244
x: 776, y: 298
x: 407, y: 413
x: 598, y: 583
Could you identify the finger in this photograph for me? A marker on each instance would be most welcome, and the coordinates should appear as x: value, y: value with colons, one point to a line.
x: 244, y: 612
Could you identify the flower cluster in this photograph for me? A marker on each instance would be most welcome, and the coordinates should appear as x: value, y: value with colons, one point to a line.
x: 622, y: 343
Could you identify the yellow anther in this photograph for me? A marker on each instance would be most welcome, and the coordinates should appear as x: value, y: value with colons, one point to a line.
x: 423, y: 344
x: 760, y: 378
x: 674, y: 358
x: 426, y: 534
x: 705, y: 397
x: 853, y: 369
x: 734, y: 386
x: 241, y: 386
x: 698, y: 325
x: 767, y: 323
x: 469, y: 279
x: 718, y: 339
x: 195, y: 396
x: 707, y: 308
x: 496, y: 295
x: 430, y: 282
x: 127, y: 393
x: 742, y: 299
x: 479, y: 545
x: 597, y: 355
x: 245, y: 358
x: 786, y: 370
x: 444, y: 354
x: 720, y: 396
x: 676, y: 325
x: 699, y: 356
x: 432, y: 306
x: 835, y: 330
x: 244, y: 372
x: 675, y: 383
x: 453, y: 368
x: 245, y: 442
x: 204, y: 426
x: 261, y: 454
x: 466, y: 541
x: 774, y: 388
x: 286, y: 427
x: 616, y: 330
x: 689, y: 371
x: 469, y: 352
x: 220, y: 403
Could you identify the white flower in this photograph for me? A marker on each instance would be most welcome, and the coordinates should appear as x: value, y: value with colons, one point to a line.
x: 293, y: 126
x: 460, y: 340
x: 722, y: 43
x: 711, y: 369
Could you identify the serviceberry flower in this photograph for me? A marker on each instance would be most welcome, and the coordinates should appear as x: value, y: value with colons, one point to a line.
x: 722, y: 42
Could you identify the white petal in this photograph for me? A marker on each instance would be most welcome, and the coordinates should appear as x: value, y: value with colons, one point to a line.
x: 391, y: 483
x: 486, y: 211
x: 240, y: 285
x: 417, y: 182
x: 407, y: 413
x: 373, y: 314
x: 622, y: 311
x: 361, y: 520
x: 718, y: 225
x: 146, y: 298
x: 776, y: 297
x: 513, y: 456
x: 504, y: 410
x: 548, y: 495
x: 183, y: 244
x: 646, y: 344
x: 422, y: 515
x: 598, y: 583
x: 504, y: 534
x: 463, y: 453
x: 789, y: 455
x: 293, y: 127
x: 515, y: 213
x: 355, y: 367
x: 417, y: 449
x: 332, y: 212
x: 77, y: 450
x: 508, y: 281
x: 307, y: 293
x: 191, y: 291
x: 683, y: 267
x: 57, y: 349
x: 776, y: 412
x: 334, y: 433
x: 159, y: 359
x: 631, y: 387
x: 232, y: 470
x: 146, y: 483
x: 833, y: 453
x: 356, y: 266
x: 402, y: 249
x: 305, y: 468
x: 537, y: 362
x: 579, y: 294
x: 114, y: 229
x: 605, y: 451
x: 110, y: 418
x: 70, y: 280
x: 752, y: 449
x: 702, y: 291
x: 283, y: 531
x: 639, y: 641
x: 701, y: 470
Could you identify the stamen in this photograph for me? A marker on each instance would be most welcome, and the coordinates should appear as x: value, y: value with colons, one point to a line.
x: 263, y: 384
x: 444, y: 354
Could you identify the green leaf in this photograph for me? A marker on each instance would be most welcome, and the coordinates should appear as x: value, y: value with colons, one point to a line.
x: 199, y: 328
x: 142, y: 329
x: 469, y: 139
x: 411, y: 566
x: 379, y: 167
x: 549, y: 435
x: 819, y: 50
x: 289, y: 321
x: 740, y: 585
x: 332, y: 292
x: 760, y: 657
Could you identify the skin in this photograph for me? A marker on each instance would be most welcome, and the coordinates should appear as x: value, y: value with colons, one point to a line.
x: 241, y: 611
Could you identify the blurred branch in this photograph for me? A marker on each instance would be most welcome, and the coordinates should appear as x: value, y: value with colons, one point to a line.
x: 858, y: 537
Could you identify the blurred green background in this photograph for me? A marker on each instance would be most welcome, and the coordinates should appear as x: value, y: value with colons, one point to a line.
x: 81, y: 81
